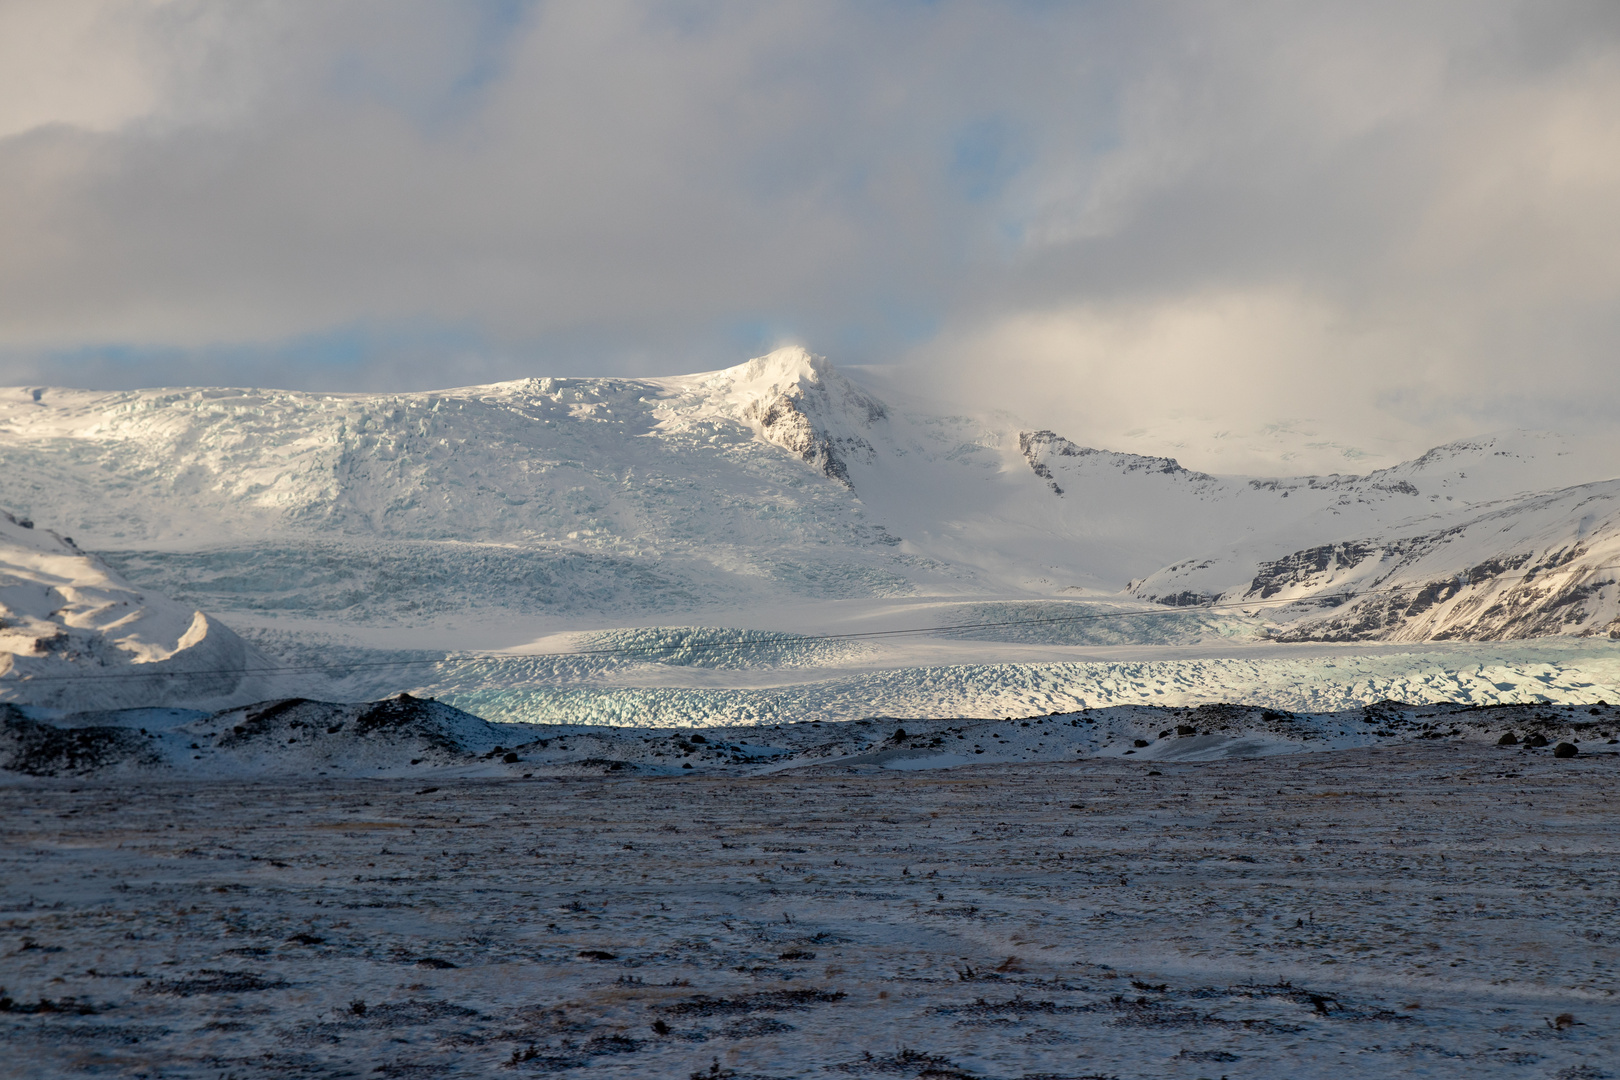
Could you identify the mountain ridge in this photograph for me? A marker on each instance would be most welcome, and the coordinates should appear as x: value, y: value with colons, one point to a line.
x: 557, y: 503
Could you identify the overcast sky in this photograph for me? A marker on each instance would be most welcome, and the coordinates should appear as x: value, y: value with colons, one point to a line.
x: 1369, y: 225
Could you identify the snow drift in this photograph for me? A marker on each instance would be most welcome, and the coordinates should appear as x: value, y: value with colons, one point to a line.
x: 74, y: 635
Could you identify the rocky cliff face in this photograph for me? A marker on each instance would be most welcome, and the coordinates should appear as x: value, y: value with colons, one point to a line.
x: 1442, y: 587
x: 782, y: 421
x: 1531, y: 567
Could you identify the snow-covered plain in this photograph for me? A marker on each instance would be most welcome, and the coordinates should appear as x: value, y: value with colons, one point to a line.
x: 1435, y: 908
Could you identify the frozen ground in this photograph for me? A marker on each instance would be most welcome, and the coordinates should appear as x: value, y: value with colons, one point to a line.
x: 1440, y: 908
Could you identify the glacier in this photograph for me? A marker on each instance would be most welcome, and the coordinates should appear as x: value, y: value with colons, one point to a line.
x: 479, y: 543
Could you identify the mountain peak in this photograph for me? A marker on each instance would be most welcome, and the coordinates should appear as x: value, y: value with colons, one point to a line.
x: 794, y: 399
x: 784, y: 370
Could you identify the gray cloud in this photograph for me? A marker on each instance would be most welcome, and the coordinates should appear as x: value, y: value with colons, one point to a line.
x: 1365, y: 226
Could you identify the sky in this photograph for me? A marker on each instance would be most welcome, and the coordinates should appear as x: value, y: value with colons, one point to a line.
x: 1327, y: 233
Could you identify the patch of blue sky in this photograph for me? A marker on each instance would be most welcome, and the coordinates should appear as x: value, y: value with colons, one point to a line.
x: 341, y: 356
x: 496, y: 23
x: 985, y: 157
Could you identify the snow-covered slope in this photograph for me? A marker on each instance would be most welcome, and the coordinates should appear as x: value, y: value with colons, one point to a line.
x: 744, y: 497
x: 598, y: 464
x: 1527, y: 567
x: 544, y: 497
x: 75, y: 635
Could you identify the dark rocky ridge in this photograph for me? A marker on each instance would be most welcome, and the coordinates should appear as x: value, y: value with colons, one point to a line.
x: 405, y: 736
x: 36, y: 748
x: 1039, y: 446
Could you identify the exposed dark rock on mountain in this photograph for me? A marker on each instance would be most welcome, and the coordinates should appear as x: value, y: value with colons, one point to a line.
x: 784, y: 423
x: 1038, y: 447
x: 41, y: 749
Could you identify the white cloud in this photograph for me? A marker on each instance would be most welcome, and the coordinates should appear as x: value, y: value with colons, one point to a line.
x: 73, y: 62
x: 1230, y: 381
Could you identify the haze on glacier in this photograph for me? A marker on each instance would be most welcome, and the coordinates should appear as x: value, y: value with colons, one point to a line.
x: 1266, y: 239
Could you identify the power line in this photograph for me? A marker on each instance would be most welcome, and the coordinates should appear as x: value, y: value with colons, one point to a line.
x: 783, y: 640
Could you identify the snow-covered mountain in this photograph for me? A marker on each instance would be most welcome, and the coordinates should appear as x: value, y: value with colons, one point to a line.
x: 1523, y: 567
x: 493, y: 514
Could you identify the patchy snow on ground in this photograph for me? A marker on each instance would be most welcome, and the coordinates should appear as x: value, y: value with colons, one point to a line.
x: 1436, y: 907
x: 297, y: 738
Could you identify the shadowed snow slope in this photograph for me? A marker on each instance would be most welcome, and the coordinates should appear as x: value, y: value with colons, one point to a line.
x: 75, y: 635
x: 548, y: 504
x: 289, y: 737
